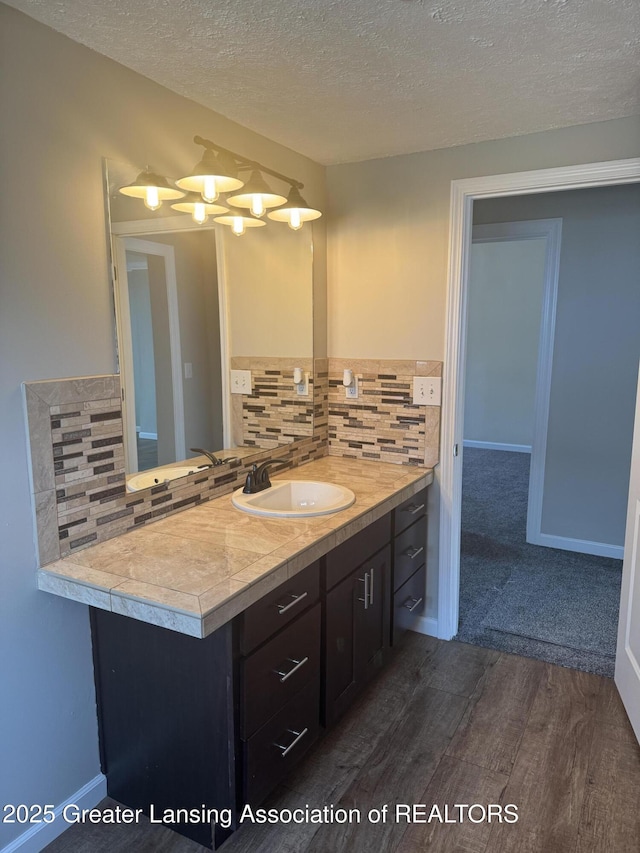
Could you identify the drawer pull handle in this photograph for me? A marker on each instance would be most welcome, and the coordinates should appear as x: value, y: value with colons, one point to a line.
x: 371, y: 589
x: 298, y: 738
x: 412, y: 509
x: 285, y: 674
x: 282, y: 608
x: 412, y: 603
x: 412, y: 553
x: 365, y: 581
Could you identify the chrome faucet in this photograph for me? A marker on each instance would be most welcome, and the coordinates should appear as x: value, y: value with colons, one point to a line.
x: 258, y: 478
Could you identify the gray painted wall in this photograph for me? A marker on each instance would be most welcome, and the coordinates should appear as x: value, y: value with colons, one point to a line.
x: 596, y: 353
x: 389, y: 237
x: 65, y: 107
x: 69, y: 108
x: 199, y: 318
x: 506, y: 283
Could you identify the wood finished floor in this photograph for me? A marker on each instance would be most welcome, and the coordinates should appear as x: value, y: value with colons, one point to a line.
x: 451, y: 723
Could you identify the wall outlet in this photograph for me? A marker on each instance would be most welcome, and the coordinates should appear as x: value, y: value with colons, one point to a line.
x: 302, y: 388
x: 188, y: 370
x: 240, y: 381
x: 427, y: 390
x: 353, y: 390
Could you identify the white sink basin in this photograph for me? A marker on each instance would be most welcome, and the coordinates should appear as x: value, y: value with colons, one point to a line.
x: 295, y: 499
x: 157, y: 476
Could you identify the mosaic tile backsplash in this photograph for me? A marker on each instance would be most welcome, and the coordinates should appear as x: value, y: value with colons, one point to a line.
x: 273, y: 414
x: 77, y: 460
x: 75, y: 435
x: 383, y: 423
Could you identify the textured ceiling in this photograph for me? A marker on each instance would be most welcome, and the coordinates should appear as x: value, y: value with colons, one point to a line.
x: 343, y: 80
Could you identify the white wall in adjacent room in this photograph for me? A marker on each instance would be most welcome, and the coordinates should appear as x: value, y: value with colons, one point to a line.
x: 506, y: 282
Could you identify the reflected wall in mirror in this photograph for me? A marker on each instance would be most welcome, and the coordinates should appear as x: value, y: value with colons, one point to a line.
x: 194, y: 302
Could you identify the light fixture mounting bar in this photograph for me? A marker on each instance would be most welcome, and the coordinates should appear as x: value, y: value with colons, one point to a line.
x: 244, y: 163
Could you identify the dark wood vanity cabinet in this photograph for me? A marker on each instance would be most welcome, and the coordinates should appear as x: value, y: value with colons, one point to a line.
x: 221, y: 721
x: 278, y: 670
x: 166, y: 718
x: 409, y: 564
x: 357, y: 586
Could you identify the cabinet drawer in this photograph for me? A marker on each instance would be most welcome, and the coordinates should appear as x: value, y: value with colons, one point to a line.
x: 410, y: 552
x: 342, y: 560
x: 273, y: 750
x: 410, y: 510
x: 408, y: 603
x: 278, y: 608
x: 274, y: 673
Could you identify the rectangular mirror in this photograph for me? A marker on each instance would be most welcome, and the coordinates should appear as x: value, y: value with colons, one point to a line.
x: 194, y: 304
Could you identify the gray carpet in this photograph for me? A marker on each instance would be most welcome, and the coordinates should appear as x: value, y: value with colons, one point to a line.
x: 539, y: 602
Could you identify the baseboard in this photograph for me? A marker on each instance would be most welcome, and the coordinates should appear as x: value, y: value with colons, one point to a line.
x: 152, y: 435
x: 496, y: 445
x: 580, y: 546
x: 36, y: 838
x: 426, y: 625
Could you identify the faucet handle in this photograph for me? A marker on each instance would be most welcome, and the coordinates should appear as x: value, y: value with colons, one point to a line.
x: 250, y: 485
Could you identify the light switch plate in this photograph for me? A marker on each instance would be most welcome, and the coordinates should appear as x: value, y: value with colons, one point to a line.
x: 427, y: 390
x: 188, y: 370
x: 240, y: 381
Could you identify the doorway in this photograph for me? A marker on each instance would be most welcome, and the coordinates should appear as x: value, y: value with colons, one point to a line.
x: 464, y: 193
x: 518, y: 594
x: 147, y: 299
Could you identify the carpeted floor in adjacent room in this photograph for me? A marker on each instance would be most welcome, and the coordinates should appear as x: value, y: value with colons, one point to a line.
x: 530, y: 600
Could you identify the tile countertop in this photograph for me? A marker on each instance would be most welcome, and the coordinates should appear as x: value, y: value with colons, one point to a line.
x: 197, y: 569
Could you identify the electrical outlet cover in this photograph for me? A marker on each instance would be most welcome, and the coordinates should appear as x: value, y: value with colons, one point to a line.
x: 427, y: 390
x: 240, y: 381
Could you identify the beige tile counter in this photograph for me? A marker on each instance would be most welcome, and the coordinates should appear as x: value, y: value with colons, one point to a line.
x: 197, y: 569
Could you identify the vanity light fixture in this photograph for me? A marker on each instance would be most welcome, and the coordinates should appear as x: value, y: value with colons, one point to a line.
x: 200, y: 210
x: 257, y: 195
x: 295, y: 211
x: 217, y: 172
x: 214, y: 174
x: 152, y: 188
x: 239, y: 221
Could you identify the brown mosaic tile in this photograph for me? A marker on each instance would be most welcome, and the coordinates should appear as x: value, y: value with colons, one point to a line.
x: 383, y: 423
x: 90, y: 503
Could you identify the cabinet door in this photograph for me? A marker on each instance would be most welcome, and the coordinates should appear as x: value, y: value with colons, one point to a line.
x: 357, y: 631
x: 372, y: 615
x: 340, y: 665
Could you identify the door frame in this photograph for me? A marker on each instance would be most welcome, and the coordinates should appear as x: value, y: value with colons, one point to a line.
x: 123, y: 320
x: 549, y: 230
x: 463, y: 194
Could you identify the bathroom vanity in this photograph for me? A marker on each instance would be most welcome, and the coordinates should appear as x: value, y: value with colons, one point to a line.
x: 217, y: 721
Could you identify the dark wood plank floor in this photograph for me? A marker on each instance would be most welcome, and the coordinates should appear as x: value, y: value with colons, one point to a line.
x: 447, y: 724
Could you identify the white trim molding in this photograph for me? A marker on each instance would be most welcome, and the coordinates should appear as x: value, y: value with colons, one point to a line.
x: 426, y: 625
x: 39, y: 835
x: 463, y: 194
x: 581, y: 546
x: 549, y: 230
x: 125, y: 350
x: 497, y: 445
